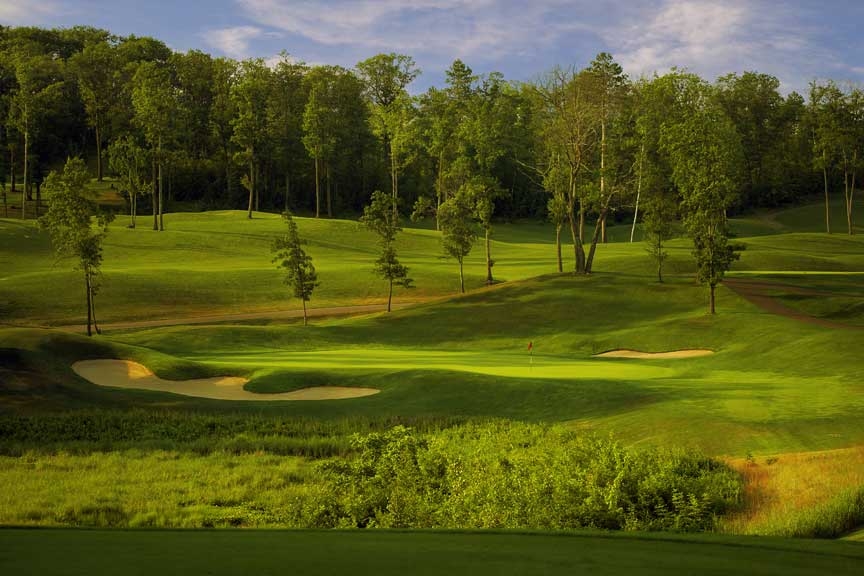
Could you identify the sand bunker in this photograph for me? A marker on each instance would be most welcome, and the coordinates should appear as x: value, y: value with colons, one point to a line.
x: 654, y: 355
x: 127, y: 374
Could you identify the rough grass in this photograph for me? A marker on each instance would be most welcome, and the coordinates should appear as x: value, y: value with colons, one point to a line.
x: 812, y: 495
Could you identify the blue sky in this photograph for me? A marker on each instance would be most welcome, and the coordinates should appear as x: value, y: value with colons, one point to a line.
x: 796, y: 40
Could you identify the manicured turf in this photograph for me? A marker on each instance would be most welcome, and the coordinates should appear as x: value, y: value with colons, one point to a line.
x: 775, y: 384
x: 309, y: 553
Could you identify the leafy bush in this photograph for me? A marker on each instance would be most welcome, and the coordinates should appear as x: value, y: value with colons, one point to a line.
x: 522, y: 476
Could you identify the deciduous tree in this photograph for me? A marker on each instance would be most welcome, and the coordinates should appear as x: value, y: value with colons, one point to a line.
x: 77, y: 227
x: 300, y: 274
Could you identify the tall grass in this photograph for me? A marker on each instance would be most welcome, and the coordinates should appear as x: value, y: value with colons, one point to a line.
x: 810, y: 495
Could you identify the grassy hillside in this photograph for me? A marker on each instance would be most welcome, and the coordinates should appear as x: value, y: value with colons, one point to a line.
x: 219, y: 263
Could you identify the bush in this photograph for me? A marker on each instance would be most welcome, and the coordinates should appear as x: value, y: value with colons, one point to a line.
x: 523, y: 476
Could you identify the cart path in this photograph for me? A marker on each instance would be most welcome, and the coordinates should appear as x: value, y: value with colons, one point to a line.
x: 243, y: 317
x: 758, y: 293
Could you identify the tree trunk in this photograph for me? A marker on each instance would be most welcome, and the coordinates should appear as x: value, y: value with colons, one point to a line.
x: 161, y: 220
x: 489, y: 279
x: 26, y: 175
x: 638, y: 194
x: 440, y: 188
x: 89, y: 307
x: 39, y: 199
x: 659, y: 247
x: 461, y: 278
x: 329, y: 197
x: 558, y: 247
x: 317, y: 189
x: 12, y: 167
x: 258, y: 188
x: 305, y: 320
x: 98, y: 150
x: 394, y: 182
x: 287, y: 189
x: 154, y: 193
x: 133, y: 207
x: 711, y: 309
x: 602, y: 184
x: 390, y: 296
x: 578, y: 249
x: 597, y: 228
x: 251, y: 185
x: 93, y: 308
x: 581, y: 221
x: 827, y: 210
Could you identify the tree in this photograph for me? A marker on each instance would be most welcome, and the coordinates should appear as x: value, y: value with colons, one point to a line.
x: 609, y: 87
x: 386, y: 77
x: 658, y: 223
x: 40, y: 84
x: 380, y: 218
x: 95, y: 68
x: 154, y: 99
x: 300, y: 274
x: 77, y: 227
x: 250, y: 95
x: 222, y: 113
x: 567, y: 136
x: 706, y: 158
x: 129, y: 160
x: 458, y: 232
x: 557, y: 209
x: 285, y: 118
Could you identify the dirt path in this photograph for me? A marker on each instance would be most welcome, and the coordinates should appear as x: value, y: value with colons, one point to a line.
x: 220, y: 318
x: 758, y: 293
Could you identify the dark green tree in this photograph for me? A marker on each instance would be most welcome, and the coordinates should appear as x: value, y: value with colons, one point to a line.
x: 458, y: 231
x: 300, y: 274
x: 380, y: 218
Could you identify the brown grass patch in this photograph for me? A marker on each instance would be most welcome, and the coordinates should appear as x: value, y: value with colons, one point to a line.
x: 779, y: 487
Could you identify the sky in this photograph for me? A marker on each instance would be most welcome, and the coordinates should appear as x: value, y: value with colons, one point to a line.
x: 796, y: 40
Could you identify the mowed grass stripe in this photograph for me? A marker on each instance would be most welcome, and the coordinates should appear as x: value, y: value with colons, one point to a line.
x: 383, y: 553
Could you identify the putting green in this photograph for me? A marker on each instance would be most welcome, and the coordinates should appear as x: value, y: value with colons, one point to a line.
x: 505, y: 365
x: 127, y: 374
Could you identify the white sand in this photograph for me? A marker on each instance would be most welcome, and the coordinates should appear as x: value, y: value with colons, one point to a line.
x: 654, y: 355
x: 128, y: 374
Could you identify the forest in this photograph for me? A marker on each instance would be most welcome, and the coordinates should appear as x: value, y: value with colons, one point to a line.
x: 189, y: 131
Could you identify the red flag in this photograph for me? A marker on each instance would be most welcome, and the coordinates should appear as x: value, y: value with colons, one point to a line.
x: 530, y: 346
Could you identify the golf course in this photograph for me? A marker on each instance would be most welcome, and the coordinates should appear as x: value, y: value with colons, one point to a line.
x: 115, y: 422
x: 565, y: 294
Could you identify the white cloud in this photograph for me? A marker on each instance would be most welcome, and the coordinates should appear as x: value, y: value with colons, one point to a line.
x: 716, y: 37
x: 455, y: 28
x: 234, y: 42
x: 22, y: 12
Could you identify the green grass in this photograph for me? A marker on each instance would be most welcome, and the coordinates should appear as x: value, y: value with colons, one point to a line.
x: 384, y: 553
x: 774, y: 385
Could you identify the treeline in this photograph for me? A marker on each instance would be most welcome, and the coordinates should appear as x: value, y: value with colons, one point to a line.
x: 219, y: 133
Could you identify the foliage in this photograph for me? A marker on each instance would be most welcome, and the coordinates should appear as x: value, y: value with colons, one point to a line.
x: 458, y: 232
x: 300, y: 274
x: 70, y: 223
x: 520, y: 476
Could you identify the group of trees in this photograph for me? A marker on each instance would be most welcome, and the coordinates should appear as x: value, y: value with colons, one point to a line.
x: 580, y: 146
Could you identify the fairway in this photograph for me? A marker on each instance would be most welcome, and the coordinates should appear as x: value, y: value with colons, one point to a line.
x: 95, y: 552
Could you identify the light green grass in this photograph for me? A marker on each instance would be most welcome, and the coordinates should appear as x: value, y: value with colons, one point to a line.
x: 312, y: 553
